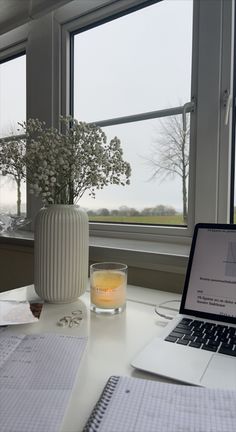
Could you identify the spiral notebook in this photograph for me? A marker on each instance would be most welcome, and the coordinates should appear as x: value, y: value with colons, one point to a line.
x: 130, y: 404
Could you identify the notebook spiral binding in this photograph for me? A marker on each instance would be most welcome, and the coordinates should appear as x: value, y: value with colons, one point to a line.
x: 99, y: 410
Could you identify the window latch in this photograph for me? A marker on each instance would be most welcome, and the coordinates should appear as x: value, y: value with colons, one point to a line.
x: 188, y: 106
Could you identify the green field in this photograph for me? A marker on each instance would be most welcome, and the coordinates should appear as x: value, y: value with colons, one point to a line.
x: 153, y: 220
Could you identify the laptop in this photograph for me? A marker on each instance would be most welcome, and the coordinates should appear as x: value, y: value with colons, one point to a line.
x: 199, y: 345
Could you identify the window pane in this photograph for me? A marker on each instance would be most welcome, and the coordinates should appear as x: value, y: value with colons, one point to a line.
x: 12, y: 110
x: 154, y: 196
x: 137, y: 63
x: 133, y: 65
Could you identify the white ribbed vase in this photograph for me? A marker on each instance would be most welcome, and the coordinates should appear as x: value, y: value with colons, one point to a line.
x: 61, y: 253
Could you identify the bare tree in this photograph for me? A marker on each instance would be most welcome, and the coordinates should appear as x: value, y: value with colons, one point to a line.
x: 170, y: 154
x: 12, y: 163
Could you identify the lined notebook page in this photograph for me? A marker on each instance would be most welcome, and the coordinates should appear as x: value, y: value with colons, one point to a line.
x: 138, y: 405
x: 37, y: 373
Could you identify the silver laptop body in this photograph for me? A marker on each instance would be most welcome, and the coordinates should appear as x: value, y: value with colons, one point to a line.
x: 199, y: 345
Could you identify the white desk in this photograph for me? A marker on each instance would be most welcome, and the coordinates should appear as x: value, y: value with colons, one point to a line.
x: 113, y: 341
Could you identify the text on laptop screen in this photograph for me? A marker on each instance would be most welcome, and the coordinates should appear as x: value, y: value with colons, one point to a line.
x: 212, y: 280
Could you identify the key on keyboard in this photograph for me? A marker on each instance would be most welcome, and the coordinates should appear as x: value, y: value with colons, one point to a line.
x: 207, y: 336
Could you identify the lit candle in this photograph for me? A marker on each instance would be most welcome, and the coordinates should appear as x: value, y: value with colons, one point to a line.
x: 108, y: 287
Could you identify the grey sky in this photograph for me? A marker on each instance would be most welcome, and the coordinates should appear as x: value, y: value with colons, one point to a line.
x: 12, y: 94
x: 140, y: 62
x: 12, y: 110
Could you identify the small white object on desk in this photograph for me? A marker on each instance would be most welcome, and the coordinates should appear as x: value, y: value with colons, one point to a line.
x: 15, y: 312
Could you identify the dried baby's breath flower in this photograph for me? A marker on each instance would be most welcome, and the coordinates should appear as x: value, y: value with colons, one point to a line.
x: 61, y: 166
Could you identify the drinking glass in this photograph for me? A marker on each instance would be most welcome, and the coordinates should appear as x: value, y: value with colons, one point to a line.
x: 108, y: 281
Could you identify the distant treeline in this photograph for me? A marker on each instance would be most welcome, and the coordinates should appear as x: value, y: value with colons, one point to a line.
x: 159, y: 210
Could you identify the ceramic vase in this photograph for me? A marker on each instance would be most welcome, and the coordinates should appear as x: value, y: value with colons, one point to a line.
x: 61, y: 253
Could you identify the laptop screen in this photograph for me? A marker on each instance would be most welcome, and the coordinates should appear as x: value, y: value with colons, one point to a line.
x: 210, y: 285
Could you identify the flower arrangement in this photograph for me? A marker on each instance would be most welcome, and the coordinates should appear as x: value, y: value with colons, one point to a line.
x: 62, y: 165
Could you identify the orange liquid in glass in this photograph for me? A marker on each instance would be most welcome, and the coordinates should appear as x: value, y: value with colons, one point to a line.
x: 108, y: 288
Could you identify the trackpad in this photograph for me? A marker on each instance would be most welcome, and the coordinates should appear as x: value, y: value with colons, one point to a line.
x: 174, y: 361
x: 221, y: 372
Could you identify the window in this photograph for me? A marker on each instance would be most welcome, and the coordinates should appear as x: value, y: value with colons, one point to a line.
x: 131, y: 104
x: 131, y: 71
x: 12, y: 110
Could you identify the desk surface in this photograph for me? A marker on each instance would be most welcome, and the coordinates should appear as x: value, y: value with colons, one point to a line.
x: 113, y: 341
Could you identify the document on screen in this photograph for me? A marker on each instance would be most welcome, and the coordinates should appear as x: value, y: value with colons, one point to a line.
x: 212, y: 283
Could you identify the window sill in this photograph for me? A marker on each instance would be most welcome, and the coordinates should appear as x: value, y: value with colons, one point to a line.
x: 159, y: 256
x: 168, y: 257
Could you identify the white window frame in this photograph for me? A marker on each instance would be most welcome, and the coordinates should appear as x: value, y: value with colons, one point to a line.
x: 117, y: 230
x: 212, y: 76
x: 48, y: 75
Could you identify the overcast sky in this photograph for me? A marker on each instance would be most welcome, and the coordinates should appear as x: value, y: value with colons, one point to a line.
x: 140, y: 62
x: 137, y: 63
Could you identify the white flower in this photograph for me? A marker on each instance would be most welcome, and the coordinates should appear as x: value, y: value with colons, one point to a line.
x: 54, y: 160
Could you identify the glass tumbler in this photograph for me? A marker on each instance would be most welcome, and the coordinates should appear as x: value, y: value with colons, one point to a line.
x: 108, y: 281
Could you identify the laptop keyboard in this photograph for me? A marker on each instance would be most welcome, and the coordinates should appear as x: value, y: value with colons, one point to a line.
x: 205, y: 335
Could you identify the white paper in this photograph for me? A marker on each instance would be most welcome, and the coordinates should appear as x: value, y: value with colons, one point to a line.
x: 37, y: 373
x: 15, y: 312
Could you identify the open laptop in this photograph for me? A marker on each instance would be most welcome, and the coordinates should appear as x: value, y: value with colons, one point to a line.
x: 199, y: 345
